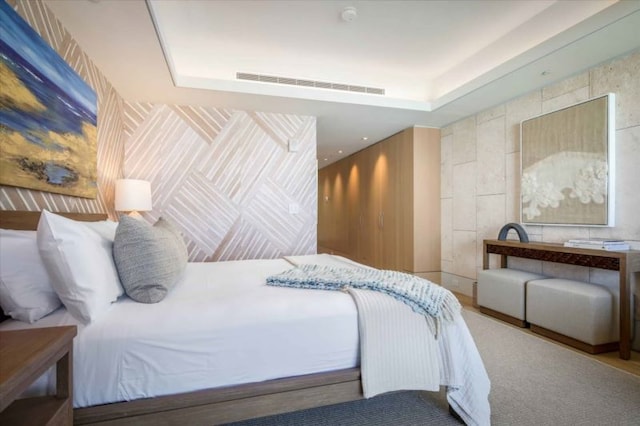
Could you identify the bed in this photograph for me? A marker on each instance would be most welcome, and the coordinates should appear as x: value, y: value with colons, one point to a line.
x: 224, y: 347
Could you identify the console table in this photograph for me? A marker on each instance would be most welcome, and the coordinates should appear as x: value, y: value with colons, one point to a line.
x: 625, y: 262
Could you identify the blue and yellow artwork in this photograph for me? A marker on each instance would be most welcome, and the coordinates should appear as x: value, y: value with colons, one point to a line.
x: 48, y: 133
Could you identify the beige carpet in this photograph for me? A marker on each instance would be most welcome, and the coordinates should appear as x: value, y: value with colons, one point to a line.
x: 534, y: 382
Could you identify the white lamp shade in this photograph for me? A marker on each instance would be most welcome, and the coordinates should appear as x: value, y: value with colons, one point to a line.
x: 133, y: 195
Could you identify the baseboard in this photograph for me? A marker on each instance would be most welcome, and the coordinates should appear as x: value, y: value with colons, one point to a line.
x: 503, y: 317
x: 457, y: 283
x: 570, y: 341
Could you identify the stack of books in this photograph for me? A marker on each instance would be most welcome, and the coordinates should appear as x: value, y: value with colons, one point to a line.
x: 598, y: 244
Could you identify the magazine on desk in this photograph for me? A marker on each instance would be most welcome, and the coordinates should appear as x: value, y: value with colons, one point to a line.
x: 599, y: 244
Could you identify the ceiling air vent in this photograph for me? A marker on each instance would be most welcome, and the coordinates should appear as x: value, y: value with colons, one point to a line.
x: 308, y: 83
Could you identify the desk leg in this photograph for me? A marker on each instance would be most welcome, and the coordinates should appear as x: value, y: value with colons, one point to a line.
x: 625, y: 318
x: 485, y: 256
x: 64, y: 382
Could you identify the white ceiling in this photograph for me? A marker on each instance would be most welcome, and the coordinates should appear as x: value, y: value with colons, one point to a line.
x: 438, y: 61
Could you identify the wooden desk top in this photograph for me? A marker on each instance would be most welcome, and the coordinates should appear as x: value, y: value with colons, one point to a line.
x: 557, y: 252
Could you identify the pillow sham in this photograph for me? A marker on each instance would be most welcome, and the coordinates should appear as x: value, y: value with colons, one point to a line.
x: 149, y: 259
x: 106, y: 228
x: 25, y: 291
x: 80, y: 265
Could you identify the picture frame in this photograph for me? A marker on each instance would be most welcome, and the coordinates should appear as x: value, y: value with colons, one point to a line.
x: 567, y: 165
x: 48, y: 119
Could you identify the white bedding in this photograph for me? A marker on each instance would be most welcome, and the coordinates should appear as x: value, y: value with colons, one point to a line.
x: 222, y: 325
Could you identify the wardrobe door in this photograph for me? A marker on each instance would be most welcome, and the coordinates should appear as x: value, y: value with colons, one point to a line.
x: 332, y: 208
x: 340, y: 221
x: 324, y: 213
x: 396, y: 202
x: 369, y: 200
x: 354, y: 209
x: 426, y: 222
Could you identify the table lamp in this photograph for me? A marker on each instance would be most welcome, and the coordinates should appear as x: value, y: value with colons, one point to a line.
x: 132, y: 196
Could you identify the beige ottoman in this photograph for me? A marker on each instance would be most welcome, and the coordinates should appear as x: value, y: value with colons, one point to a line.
x: 575, y: 313
x: 501, y: 294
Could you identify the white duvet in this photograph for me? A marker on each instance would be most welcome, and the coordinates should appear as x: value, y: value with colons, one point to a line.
x: 222, y: 325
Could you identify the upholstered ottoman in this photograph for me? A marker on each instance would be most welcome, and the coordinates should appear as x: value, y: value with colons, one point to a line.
x: 575, y: 313
x: 501, y: 294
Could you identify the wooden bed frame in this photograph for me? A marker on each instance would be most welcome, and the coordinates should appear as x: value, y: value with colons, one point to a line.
x: 218, y: 405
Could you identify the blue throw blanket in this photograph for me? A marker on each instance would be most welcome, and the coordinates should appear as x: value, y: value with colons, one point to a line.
x: 423, y: 296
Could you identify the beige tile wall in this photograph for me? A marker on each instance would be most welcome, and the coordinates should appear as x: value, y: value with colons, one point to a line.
x: 481, y: 176
x: 481, y: 170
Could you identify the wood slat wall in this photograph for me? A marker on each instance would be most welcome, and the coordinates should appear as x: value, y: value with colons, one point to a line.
x: 224, y: 177
x: 227, y: 178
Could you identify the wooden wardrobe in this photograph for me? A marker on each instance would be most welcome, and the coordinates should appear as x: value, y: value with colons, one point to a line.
x: 381, y: 206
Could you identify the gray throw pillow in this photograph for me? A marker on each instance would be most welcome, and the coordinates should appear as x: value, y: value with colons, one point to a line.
x: 149, y: 259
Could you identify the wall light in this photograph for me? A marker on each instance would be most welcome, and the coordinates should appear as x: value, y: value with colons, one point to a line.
x: 133, y: 195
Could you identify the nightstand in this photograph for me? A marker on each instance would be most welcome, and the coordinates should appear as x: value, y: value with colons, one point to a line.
x: 24, y: 356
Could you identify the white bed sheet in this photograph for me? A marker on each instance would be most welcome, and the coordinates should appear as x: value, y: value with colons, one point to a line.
x: 222, y: 325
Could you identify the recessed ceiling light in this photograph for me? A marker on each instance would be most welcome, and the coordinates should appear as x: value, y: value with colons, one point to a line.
x: 339, y: 151
x: 326, y: 159
x: 364, y: 138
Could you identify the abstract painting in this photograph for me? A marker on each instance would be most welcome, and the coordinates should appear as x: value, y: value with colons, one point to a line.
x: 568, y: 165
x: 48, y: 133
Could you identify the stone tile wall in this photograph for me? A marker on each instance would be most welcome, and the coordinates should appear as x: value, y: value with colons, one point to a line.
x: 481, y: 173
x: 481, y: 167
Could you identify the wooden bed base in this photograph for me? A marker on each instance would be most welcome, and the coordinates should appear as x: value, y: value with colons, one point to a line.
x: 230, y: 404
x: 211, y: 406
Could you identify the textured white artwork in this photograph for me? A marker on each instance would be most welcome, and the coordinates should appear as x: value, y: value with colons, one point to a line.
x: 582, y: 174
x: 567, y: 165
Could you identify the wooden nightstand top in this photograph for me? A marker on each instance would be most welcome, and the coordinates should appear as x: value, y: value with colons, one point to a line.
x: 26, y: 354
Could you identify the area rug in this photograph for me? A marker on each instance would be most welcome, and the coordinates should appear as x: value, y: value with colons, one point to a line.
x: 533, y: 382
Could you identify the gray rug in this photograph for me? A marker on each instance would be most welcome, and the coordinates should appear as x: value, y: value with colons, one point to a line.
x: 534, y: 382
x: 402, y: 408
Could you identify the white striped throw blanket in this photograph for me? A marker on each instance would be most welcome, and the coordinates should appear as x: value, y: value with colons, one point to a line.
x: 423, y: 296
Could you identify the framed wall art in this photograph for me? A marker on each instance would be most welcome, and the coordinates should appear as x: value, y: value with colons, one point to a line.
x: 48, y: 115
x: 568, y: 165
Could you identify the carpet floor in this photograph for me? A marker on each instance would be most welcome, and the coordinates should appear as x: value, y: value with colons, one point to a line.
x: 533, y: 382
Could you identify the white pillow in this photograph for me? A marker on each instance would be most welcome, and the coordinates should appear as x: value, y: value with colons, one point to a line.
x: 25, y: 291
x: 106, y: 228
x: 80, y: 264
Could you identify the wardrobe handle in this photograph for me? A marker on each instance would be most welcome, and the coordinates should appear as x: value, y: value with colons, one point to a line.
x: 381, y: 220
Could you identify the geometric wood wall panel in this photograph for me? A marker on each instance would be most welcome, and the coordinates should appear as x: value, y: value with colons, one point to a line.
x: 226, y: 178
x: 110, y: 123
